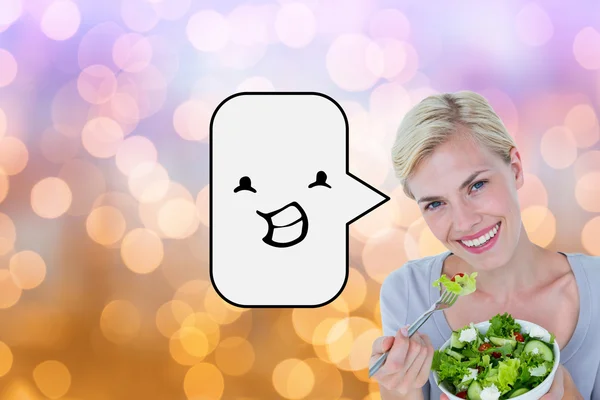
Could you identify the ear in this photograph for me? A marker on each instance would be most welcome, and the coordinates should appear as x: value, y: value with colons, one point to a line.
x: 516, y: 167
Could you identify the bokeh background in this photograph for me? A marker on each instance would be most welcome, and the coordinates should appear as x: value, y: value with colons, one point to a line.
x: 104, y: 117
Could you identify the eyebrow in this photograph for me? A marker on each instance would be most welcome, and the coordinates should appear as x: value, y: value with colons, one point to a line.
x: 466, y: 183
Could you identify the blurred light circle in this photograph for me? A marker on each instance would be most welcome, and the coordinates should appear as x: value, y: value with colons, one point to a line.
x: 51, y: 197
x: 165, y: 56
x: 192, y: 293
x: 589, y: 236
x: 389, y: 23
x: 583, y: 122
x: 533, y: 192
x: 234, y: 356
x: 132, y: 52
x: 412, y: 238
x: 171, y: 315
x: 28, y: 269
x: 8, y: 66
x: 344, y: 349
x: 191, y: 120
x: 293, y: 378
x: 4, y: 185
x: 204, y: 323
x: 102, y: 137
x: 558, y: 147
x: 156, y: 215
x: 106, y: 225
x: 306, y: 320
x: 371, y: 162
x: 58, y: 148
x: 376, y: 221
x: 220, y: 310
x: 295, y: 24
x: 355, y: 291
x: 194, y: 350
x: 178, y: 218
x: 208, y: 31
x: 587, y: 162
x: 10, y: 292
x: 86, y: 182
x: 407, y: 210
x: 394, y: 57
x: 247, y: 27
x: 540, y: 225
x: 204, y: 381
x: 388, y: 102
x: 533, y: 25
x: 202, y: 200
x: 321, y: 337
x: 13, y: 155
x: 11, y: 11
x: 171, y: 10
x: 505, y: 107
x: 255, y: 84
x: 69, y: 110
x: 8, y: 234
x: 329, y: 383
x: 241, y: 57
x: 149, y: 182
x: 354, y: 62
x: 125, y: 110
x: 139, y: 15
x: 3, y: 123
x: 147, y: 88
x: 96, y: 84
x: 120, y: 321
x: 6, y: 359
x: 586, y: 48
x: 377, y: 313
x: 587, y: 191
x: 142, y: 250
x: 429, y: 245
x: 96, y: 45
x: 383, y: 253
x: 52, y: 378
x: 135, y: 150
x: 61, y: 20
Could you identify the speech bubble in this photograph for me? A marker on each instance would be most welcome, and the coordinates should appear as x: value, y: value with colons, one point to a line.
x: 282, y: 199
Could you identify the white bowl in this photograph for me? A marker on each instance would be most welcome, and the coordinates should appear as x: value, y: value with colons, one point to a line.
x: 534, y: 394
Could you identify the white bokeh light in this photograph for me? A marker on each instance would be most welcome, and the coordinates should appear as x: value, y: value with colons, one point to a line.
x: 354, y: 62
x: 295, y: 25
x: 533, y: 25
x: 61, y: 20
x: 208, y: 31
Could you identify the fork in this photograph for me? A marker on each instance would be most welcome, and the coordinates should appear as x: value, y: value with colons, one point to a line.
x: 446, y: 300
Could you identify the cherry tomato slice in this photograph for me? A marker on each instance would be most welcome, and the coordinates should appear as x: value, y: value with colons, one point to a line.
x: 496, y: 355
x: 459, y: 274
x: 462, y: 395
x: 485, y: 346
x: 519, y: 337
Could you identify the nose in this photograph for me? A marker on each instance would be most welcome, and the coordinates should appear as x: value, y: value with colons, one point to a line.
x: 464, y: 218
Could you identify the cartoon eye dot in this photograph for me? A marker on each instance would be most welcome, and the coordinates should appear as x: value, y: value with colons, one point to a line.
x: 320, y: 181
x: 245, y: 184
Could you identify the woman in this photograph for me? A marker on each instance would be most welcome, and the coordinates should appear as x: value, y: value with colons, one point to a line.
x: 455, y: 158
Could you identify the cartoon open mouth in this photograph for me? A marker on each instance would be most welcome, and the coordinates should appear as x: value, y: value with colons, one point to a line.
x: 283, y: 233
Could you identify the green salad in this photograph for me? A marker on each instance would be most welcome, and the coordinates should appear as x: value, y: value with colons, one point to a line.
x: 503, y: 363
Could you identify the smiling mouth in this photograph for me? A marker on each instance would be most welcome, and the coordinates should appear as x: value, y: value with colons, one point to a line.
x: 285, y: 234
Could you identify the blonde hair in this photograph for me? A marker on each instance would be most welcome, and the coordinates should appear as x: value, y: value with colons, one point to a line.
x: 437, y: 118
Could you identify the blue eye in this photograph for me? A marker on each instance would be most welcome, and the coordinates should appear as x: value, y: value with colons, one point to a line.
x: 479, y: 185
x: 431, y: 206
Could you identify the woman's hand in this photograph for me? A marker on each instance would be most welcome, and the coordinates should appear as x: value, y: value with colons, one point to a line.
x: 408, y: 364
x: 562, y: 387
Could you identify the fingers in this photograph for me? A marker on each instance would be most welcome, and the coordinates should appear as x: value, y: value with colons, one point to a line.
x: 557, y: 389
x: 415, y: 368
x: 397, y: 355
x: 414, y: 349
x: 423, y: 374
x: 382, y: 344
x: 444, y: 397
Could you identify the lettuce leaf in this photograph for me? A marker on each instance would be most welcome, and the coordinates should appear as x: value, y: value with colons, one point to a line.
x: 508, y: 372
x: 503, y: 326
x: 462, y: 285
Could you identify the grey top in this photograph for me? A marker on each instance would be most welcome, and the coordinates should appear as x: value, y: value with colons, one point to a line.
x: 408, y: 292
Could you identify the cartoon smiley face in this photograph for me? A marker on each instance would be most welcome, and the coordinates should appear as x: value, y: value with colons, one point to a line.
x: 281, y: 199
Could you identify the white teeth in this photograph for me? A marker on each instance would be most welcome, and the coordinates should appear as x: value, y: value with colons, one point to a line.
x: 286, y: 216
x: 482, y: 239
x: 288, y: 234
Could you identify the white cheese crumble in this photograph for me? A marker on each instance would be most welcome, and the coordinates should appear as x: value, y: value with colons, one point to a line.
x: 486, y: 340
x: 468, y: 335
x: 535, y: 350
x: 538, y: 332
x: 540, y: 370
x: 472, y: 375
x: 490, y: 393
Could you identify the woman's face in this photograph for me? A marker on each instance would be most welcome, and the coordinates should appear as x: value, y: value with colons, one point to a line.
x: 468, y: 198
